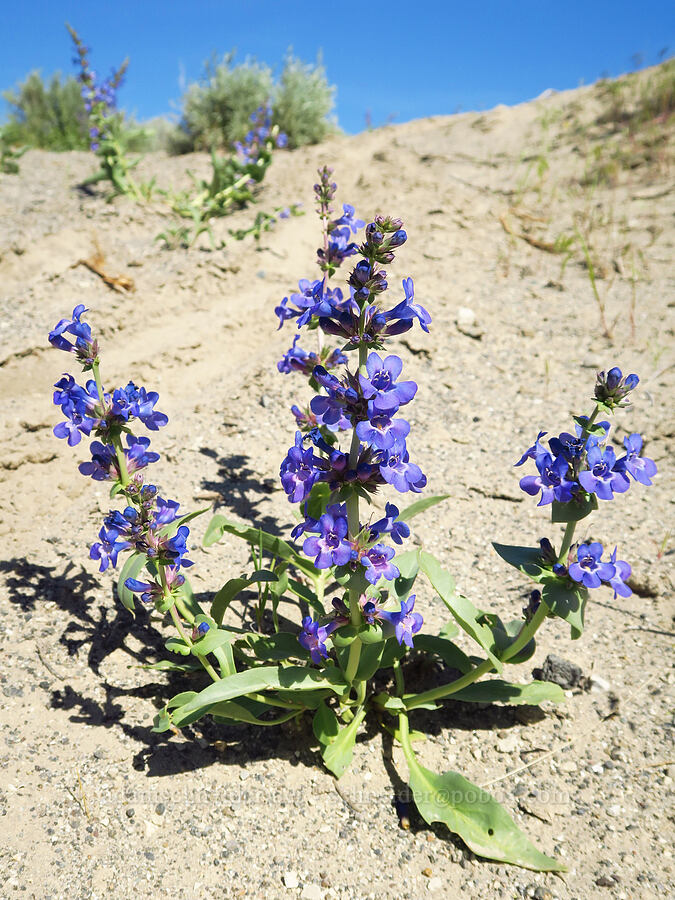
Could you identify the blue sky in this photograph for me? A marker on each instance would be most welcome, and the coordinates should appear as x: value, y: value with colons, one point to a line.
x: 392, y: 59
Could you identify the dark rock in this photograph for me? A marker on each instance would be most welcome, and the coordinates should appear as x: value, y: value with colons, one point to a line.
x: 559, y: 671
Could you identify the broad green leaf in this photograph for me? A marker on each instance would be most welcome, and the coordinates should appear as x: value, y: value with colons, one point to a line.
x: 177, y: 645
x: 574, y: 511
x: 309, y: 699
x: 566, y: 602
x: 307, y: 594
x: 161, y: 722
x: 393, y: 651
x: 497, y: 691
x: 294, y: 678
x: 234, y: 586
x: 180, y: 699
x: 408, y: 564
x: 448, y: 651
x: 131, y: 569
x: 506, y: 633
x: 465, y: 613
x: 214, y: 639
x: 275, y: 647
x: 318, y: 499
x: 246, y: 710
x: 419, y: 506
x: 482, y: 823
x: 325, y: 724
x: 220, y: 525
x: 526, y: 559
x: 449, y: 630
x: 338, y: 754
x: 369, y: 661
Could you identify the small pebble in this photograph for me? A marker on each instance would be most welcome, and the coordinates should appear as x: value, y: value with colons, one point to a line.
x: 129, y: 813
x: 290, y: 880
x: 160, y: 809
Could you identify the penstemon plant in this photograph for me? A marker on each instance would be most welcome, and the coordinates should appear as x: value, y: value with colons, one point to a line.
x: 347, y: 657
x: 107, y: 138
x: 232, y: 184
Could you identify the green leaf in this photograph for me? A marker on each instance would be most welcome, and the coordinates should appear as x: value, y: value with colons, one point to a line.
x: 393, y: 651
x: 186, y: 601
x: 234, y: 586
x: 325, y: 724
x: 497, y: 691
x: 395, y: 705
x: 173, y: 527
x: 419, y: 506
x: 575, y: 510
x: 161, y: 722
x: 369, y: 661
x: 212, y: 640
x: 318, y: 499
x: 506, y: 633
x: 445, y: 649
x: 295, y: 678
x: 309, y: 699
x: 408, y: 564
x: 307, y: 594
x: 131, y: 569
x: 275, y: 647
x: 166, y: 665
x: 464, y: 612
x: 220, y: 525
x: 338, y: 754
x: 177, y: 645
x: 566, y: 602
x: 449, y: 630
x: 482, y: 823
x: 526, y: 559
x: 180, y: 699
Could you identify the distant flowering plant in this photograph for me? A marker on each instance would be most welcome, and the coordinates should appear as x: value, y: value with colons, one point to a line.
x: 233, y: 184
x: 343, y: 576
x: 106, y: 136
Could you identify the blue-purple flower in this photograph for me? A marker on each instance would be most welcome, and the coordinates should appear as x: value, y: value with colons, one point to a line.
x: 552, y: 480
x: 313, y: 638
x: 330, y: 547
x: 639, y: 467
x: 603, y: 477
x: 589, y: 569
x: 406, y: 622
x: 377, y: 563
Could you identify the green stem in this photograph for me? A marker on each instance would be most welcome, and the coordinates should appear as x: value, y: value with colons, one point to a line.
x: 181, y: 631
x: 404, y: 736
x: 447, y: 690
x: 121, y: 460
x: 527, y: 632
x: 99, y: 383
x: 568, y: 537
x: 270, y: 701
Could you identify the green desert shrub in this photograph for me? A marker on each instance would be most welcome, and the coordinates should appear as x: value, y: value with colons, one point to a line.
x: 47, y: 115
x: 303, y: 102
x: 216, y: 111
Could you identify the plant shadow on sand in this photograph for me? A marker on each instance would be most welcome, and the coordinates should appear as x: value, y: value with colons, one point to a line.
x: 105, y: 629
x: 241, y: 489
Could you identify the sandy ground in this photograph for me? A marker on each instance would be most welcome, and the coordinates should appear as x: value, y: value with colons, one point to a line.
x: 94, y: 804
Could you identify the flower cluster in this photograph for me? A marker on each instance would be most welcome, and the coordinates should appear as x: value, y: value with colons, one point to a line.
x: 99, y: 95
x: 367, y: 402
x: 262, y: 131
x: 149, y: 523
x: 582, y: 464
